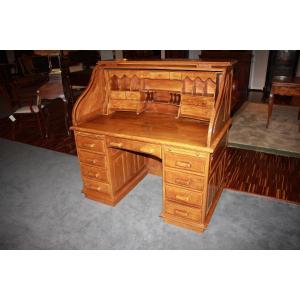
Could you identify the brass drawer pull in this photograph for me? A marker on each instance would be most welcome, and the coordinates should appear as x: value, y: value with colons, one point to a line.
x: 182, y: 198
x: 88, y: 145
x: 182, y: 181
x: 90, y: 174
x: 118, y: 145
x: 183, y: 164
x: 92, y: 161
x: 181, y: 213
x: 95, y: 188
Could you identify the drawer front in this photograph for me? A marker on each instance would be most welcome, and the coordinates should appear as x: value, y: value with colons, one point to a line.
x: 90, y: 143
x: 184, y: 179
x: 185, y: 162
x: 195, y: 111
x: 94, y: 173
x: 148, y: 148
x: 201, y: 101
x: 123, y: 104
x: 182, y: 211
x: 117, y: 95
x: 96, y: 186
x: 133, y: 95
x: 92, y: 158
x: 123, y: 95
x: 286, y: 91
x: 183, y: 195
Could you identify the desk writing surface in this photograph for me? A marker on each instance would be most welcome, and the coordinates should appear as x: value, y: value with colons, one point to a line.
x: 151, y: 127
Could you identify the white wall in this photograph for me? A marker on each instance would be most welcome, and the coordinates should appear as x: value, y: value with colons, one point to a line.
x: 258, y: 69
x: 194, y: 54
x: 106, y: 54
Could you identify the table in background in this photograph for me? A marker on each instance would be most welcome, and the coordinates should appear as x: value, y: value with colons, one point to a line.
x: 284, y: 86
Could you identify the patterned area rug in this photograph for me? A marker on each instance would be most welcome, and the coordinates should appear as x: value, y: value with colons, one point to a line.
x: 249, y: 129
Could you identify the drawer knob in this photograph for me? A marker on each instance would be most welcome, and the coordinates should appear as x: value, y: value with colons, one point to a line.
x: 88, y: 145
x: 91, y: 174
x: 182, y: 181
x: 181, y: 213
x: 182, y: 198
x: 118, y: 145
x: 183, y: 164
x: 95, y: 188
x: 91, y: 161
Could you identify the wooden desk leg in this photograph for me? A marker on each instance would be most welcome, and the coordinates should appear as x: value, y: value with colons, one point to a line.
x: 270, y: 108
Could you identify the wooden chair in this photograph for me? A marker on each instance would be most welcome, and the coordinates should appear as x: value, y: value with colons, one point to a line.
x: 33, y: 111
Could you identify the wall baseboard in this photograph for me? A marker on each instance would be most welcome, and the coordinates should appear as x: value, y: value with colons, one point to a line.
x: 255, y: 90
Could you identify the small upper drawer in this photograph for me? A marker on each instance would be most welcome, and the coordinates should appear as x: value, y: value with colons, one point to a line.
x: 182, y: 195
x: 90, y: 142
x: 124, y: 105
x: 132, y: 95
x: 122, y: 95
x: 185, y: 162
x: 183, y: 211
x: 92, y: 158
x: 137, y: 146
x: 117, y: 95
x: 202, y: 101
x: 94, y: 173
x: 195, y: 112
x: 192, y: 181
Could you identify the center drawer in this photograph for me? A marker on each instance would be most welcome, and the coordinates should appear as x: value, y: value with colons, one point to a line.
x: 137, y: 146
x: 182, y: 195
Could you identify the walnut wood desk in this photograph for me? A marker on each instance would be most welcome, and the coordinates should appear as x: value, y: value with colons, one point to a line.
x: 284, y: 86
x: 168, y: 118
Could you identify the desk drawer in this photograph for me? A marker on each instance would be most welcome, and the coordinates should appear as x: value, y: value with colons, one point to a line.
x: 195, y: 111
x: 185, y: 162
x: 124, y: 104
x: 182, y: 211
x: 182, y: 195
x: 94, y: 173
x: 137, y: 146
x: 192, y: 181
x: 89, y: 142
x: 122, y: 95
x: 96, y: 186
x: 285, y: 91
x: 92, y: 158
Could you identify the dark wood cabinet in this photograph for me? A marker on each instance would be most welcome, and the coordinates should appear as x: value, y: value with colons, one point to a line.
x: 241, y: 72
x: 280, y: 63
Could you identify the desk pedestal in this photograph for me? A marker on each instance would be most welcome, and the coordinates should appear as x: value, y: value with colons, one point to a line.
x: 192, y: 180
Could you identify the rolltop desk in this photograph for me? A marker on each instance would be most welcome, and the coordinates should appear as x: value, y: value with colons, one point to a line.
x: 167, y: 118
